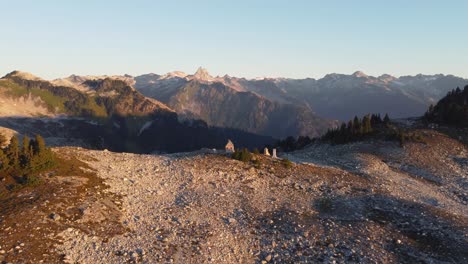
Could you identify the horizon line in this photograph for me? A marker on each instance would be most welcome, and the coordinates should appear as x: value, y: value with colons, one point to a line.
x: 357, y: 72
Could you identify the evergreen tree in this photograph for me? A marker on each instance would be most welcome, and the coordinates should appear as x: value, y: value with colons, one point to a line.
x: 376, y: 119
x: 242, y: 155
x: 452, y: 109
x: 303, y: 141
x: 373, y: 119
x: 350, y: 127
x: 355, y: 129
x: 288, y: 144
x: 356, y: 126
x: 431, y: 108
x: 13, y: 152
x: 39, y: 145
x: 367, y: 127
x: 386, y: 119
x: 343, y: 137
x: 43, y: 157
x: 4, y: 162
x: 26, y: 152
x: 25, y: 146
x: 3, y: 140
x: 32, y: 157
x: 401, y: 138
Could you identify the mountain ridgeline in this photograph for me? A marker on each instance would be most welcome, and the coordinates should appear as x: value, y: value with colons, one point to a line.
x: 201, y: 96
x: 335, y: 96
x: 112, y: 115
x: 180, y: 112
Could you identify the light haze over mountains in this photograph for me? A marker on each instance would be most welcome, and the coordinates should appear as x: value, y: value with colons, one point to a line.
x: 335, y: 96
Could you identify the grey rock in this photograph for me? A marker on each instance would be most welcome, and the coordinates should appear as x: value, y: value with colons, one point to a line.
x: 54, y: 216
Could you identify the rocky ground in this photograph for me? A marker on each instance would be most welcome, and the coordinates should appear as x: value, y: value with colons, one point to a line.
x: 368, y: 202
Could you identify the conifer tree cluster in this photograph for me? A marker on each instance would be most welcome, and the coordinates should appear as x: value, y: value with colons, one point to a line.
x: 451, y: 110
x: 31, y: 156
x: 3, y: 140
x: 290, y: 143
x: 355, y: 129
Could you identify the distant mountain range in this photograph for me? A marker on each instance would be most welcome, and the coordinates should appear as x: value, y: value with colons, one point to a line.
x: 222, y: 103
x: 335, y: 96
x: 272, y: 107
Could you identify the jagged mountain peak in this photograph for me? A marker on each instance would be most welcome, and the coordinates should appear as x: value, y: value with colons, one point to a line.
x: 202, y: 74
x: 201, y: 71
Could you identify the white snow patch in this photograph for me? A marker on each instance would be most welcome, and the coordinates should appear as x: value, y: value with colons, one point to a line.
x: 145, y: 126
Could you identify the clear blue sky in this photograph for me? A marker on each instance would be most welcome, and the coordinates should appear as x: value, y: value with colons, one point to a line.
x: 241, y: 38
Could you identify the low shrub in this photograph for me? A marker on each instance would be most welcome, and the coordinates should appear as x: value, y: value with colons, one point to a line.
x: 403, y: 136
x: 30, y: 180
x: 242, y: 155
x: 286, y: 163
x: 324, y: 204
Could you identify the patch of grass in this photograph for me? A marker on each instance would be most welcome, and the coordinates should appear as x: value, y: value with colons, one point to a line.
x: 286, y: 163
x: 12, y: 89
x: 31, y: 181
x: 52, y: 102
x: 99, y: 111
x: 70, y: 165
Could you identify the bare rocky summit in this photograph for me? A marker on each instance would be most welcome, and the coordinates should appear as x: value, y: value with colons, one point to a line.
x: 367, y: 202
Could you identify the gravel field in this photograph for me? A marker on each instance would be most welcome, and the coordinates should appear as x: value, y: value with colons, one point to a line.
x: 368, y: 202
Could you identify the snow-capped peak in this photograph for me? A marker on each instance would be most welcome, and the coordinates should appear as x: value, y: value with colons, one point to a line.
x: 360, y: 74
x: 174, y: 74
